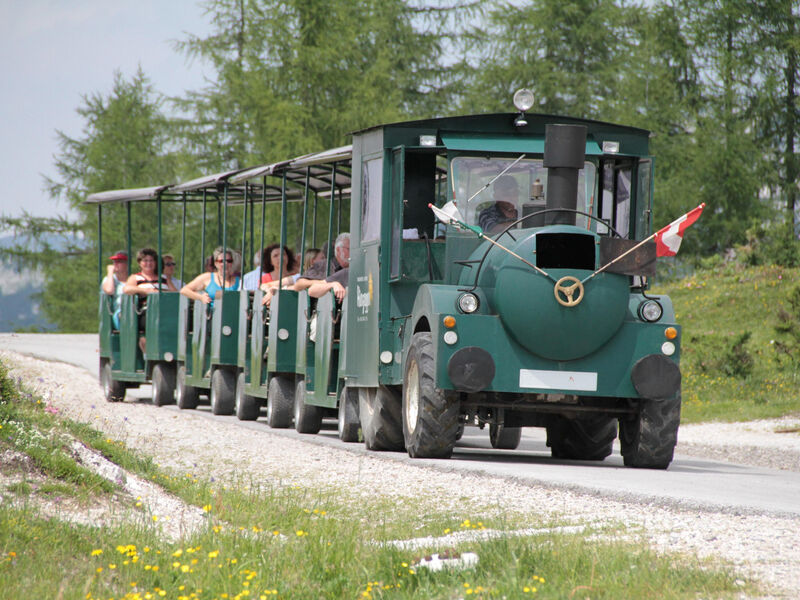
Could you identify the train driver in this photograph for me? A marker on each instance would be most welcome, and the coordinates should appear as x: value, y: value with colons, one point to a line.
x: 504, y: 210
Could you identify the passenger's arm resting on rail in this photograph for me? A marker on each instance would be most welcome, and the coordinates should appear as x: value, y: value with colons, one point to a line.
x: 320, y: 288
x: 132, y: 287
x: 196, y: 288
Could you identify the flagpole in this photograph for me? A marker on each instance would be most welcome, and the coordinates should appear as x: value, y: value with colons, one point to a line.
x: 621, y: 256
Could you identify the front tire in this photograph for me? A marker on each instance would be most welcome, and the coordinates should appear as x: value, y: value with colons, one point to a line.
x: 505, y: 438
x: 588, y: 437
x: 430, y: 420
x: 113, y: 390
x: 163, y: 383
x: 280, y: 402
x: 246, y: 407
x: 186, y: 396
x: 223, y: 392
x: 648, y: 440
x: 307, y: 417
x: 348, y: 415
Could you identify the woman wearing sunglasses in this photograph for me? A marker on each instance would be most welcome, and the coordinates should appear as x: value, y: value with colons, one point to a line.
x: 204, y: 287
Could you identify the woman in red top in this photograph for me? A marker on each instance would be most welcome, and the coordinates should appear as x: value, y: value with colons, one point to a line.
x: 271, y: 259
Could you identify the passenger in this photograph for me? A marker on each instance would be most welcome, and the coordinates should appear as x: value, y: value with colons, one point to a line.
x: 272, y: 261
x: 311, y: 255
x: 336, y: 281
x: 168, y: 268
x: 504, y: 210
x: 146, y: 282
x: 114, y: 282
x: 206, y: 286
x: 209, y: 266
x: 317, y: 273
x: 251, y: 278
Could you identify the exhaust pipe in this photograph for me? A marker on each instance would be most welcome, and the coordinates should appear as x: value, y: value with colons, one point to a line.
x: 564, y: 155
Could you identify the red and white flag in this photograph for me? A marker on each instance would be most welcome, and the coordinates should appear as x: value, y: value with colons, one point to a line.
x: 668, y: 239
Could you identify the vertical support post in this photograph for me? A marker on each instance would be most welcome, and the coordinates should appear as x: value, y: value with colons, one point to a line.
x: 328, y: 249
x: 305, y: 218
x: 314, y: 228
x: 263, y: 220
x: 159, y: 260
x: 203, y: 238
x: 128, y: 236
x: 244, y: 232
x: 224, y: 235
x: 99, y: 244
x: 183, y: 237
x: 283, y: 228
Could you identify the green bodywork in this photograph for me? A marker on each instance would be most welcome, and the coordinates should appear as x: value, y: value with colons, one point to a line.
x: 208, y: 337
x: 121, y: 347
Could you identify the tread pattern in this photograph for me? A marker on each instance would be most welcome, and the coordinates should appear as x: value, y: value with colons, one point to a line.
x: 223, y: 392
x: 247, y: 407
x: 648, y: 441
x: 280, y: 402
x: 348, y: 423
x: 186, y: 396
x: 381, y: 419
x: 307, y: 417
x: 589, y: 437
x: 437, y: 427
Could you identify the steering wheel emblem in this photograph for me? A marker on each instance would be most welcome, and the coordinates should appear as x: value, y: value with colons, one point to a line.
x: 568, y: 295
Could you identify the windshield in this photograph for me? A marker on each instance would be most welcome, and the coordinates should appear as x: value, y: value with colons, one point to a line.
x: 520, y: 190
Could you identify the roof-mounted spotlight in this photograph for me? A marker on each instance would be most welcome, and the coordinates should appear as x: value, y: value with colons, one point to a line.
x: 523, y: 100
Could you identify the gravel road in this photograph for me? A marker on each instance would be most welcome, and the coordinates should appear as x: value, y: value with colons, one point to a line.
x: 763, y: 547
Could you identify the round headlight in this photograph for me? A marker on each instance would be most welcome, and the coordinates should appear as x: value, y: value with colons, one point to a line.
x: 523, y: 99
x: 468, y: 303
x: 650, y: 311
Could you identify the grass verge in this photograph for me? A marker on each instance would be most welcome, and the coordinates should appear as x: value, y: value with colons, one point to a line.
x: 292, y: 542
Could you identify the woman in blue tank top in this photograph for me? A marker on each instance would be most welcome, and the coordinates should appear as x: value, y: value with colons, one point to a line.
x: 204, y: 287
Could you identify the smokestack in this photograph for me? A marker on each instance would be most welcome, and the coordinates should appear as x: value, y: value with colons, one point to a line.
x: 564, y: 155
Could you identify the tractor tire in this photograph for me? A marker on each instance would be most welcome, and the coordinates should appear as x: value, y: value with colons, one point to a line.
x: 186, y: 396
x: 430, y: 420
x: 348, y: 415
x: 380, y: 412
x: 223, y: 392
x: 648, y: 440
x: 504, y: 438
x: 246, y: 407
x: 113, y: 390
x: 163, y: 383
x: 280, y: 402
x: 588, y: 437
x: 307, y: 417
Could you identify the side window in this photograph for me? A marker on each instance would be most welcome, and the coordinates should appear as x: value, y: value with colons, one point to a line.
x: 371, y: 200
x: 643, y: 198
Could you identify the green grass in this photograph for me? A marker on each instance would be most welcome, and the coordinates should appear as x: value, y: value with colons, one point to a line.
x: 716, y: 308
x: 286, y: 541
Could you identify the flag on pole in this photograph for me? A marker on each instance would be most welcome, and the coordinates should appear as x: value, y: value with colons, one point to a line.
x: 668, y: 239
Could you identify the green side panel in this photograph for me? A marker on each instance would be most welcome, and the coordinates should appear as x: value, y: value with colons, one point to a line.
x: 243, y: 333
x: 105, y: 310
x: 224, y: 329
x: 131, y: 364
x: 162, y: 326
x: 198, y: 343
x: 363, y: 306
x: 305, y: 348
x: 283, y: 332
x: 257, y: 377
x: 423, y: 260
x: 325, y: 354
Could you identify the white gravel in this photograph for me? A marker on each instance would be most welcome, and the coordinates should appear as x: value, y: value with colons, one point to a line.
x: 766, y: 548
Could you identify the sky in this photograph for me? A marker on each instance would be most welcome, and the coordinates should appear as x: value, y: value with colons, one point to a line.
x: 53, y: 52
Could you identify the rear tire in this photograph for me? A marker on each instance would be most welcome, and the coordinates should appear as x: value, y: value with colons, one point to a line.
x: 246, y: 407
x: 186, y: 396
x: 280, y: 402
x: 223, y: 392
x: 381, y: 417
x: 113, y: 390
x: 588, y: 437
x: 648, y: 440
x: 348, y: 415
x: 430, y: 420
x: 163, y: 383
x: 504, y: 438
x: 307, y: 417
